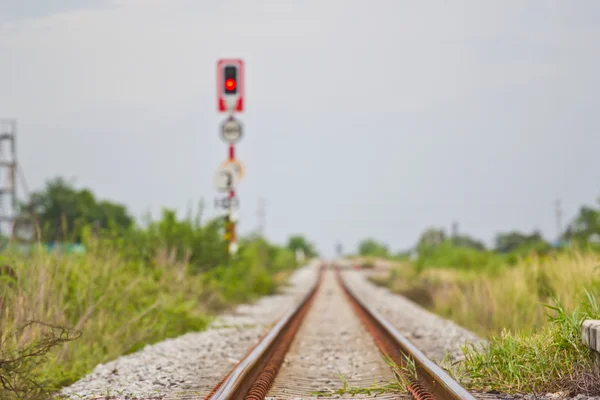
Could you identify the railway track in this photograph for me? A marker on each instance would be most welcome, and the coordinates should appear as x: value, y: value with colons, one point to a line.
x: 332, y: 331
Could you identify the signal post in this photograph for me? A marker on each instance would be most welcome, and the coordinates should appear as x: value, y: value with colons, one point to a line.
x: 230, y: 99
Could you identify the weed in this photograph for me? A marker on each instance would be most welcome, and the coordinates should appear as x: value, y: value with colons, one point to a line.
x: 551, y: 359
x: 374, y: 389
x: 403, y: 375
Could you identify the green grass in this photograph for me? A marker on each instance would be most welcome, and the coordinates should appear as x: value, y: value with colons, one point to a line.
x: 530, y: 312
x: 549, y: 360
x: 113, y: 301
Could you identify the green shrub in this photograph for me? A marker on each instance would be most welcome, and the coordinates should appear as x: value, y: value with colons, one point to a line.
x: 129, y: 289
x: 550, y: 360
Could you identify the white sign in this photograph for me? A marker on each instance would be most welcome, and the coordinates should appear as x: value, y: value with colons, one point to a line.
x: 231, y: 130
x: 226, y: 178
x: 227, y: 203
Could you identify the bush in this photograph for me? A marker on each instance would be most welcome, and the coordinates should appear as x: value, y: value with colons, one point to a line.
x: 131, y: 288
x: 450, y: 256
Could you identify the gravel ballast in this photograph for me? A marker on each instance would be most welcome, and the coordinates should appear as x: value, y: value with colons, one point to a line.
x: 193, y: 363
x: 433, y: 335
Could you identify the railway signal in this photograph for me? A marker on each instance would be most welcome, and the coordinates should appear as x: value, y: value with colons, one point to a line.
x: 230, y: 76
x: 230, y: 99
x: 230, y: 85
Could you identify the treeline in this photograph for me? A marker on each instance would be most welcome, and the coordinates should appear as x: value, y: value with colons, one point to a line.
x: 65, y: 214
x: 436, y: 248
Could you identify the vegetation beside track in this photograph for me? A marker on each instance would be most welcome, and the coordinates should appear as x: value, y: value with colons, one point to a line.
x: 530, y: 312
x: 526, y: 296
x: 61, y: 314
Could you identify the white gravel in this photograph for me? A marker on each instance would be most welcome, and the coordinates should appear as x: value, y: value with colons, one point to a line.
x: 432, y: 334
x: 193, y: 363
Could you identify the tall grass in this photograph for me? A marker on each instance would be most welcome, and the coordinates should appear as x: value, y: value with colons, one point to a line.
x: 551, y: 359
x: 124, y: 293
x: 531, y: 312
x: 510, y: 297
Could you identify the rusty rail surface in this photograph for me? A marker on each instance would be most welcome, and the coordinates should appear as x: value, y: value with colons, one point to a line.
x: 252, y: 377
x: 432, y: 382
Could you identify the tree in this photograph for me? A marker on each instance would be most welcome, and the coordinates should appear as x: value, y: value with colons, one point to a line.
x: 296, y: 242
x: 370, y: 247
x: 585, y: 226
x: 431, y: 238
x: 512, y: 241
x: 467, y: 242
x: 62, y: 211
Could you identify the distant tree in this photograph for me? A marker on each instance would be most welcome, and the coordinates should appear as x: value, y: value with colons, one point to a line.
x: 586, y: 225
x: 467, y: 242
x: 369, y: 247
x: 431, y: 237
x: 296, y: 242
x: 512, y: 241
x: 62, y: 211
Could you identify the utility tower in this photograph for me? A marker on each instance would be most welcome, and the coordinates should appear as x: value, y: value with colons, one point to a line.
x: 262, y: 216
x: 339, y: 249
x: 559, y: 214
x: 454, y: 229
x: 8, y: 172
x: 18, y: 225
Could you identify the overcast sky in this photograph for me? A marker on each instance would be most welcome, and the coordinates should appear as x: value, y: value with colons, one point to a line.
x: 364, y: 118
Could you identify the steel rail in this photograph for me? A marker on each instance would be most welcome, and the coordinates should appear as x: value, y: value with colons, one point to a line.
x: 438, y: 383
x: 243, y: 378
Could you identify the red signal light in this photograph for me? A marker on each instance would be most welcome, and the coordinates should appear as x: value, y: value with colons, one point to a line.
x: 230, y: 84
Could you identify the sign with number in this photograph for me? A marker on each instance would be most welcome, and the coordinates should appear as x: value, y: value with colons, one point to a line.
x: 226, y: 178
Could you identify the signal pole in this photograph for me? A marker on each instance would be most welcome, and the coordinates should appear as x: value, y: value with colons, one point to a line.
x: 230, y: 98
x: 231, y: 219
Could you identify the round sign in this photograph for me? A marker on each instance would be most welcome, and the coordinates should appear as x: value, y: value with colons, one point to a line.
x: 236, y: 166
x: 231, y: 130
x: 226, y: 178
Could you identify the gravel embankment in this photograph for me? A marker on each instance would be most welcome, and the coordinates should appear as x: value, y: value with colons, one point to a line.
x: 433, y: 335
x: 193, y: 363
